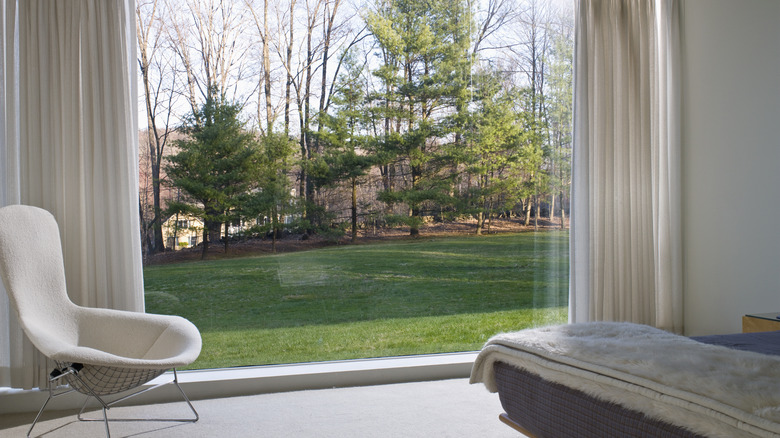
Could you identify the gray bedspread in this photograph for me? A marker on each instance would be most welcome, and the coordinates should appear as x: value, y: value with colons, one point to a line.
x: 764, y: 342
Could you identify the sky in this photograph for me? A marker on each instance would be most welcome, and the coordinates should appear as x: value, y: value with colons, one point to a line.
x: 246, y: 90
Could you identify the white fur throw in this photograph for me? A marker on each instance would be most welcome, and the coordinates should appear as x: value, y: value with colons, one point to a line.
x: 708, y: 389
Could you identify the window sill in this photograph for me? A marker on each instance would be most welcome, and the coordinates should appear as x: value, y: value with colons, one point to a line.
x: 231, y: 382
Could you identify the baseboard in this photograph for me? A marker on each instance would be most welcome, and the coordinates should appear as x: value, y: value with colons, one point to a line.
x: 232, y: 382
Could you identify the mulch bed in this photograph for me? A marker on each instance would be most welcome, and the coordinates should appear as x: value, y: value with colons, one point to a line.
x: 298, y: 242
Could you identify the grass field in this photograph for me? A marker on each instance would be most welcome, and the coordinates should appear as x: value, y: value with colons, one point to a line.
x: 407, y: 297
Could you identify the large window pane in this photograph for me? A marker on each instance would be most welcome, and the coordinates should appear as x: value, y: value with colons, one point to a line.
x: 394, y: 181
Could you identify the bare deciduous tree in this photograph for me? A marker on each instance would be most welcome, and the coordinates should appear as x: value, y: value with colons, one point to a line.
x: 265, y: 35
x: 157, y: 70
x: 208, y: 38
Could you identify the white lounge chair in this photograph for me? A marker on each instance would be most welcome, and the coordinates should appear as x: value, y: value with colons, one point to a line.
x: 97, y: 352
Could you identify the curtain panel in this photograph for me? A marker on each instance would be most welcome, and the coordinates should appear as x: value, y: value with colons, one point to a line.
x: 625, y: 247
x: 68, y: 112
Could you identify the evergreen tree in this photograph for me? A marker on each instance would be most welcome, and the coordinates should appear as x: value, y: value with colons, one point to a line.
x: 527, y: 178
x: 425, y: 53
x: 272, y: 196
x: 344, y: 157
x: 214, y: 166
x: 492, y: 143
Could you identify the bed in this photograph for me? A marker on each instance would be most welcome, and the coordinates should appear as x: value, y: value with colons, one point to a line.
x: 629, y: 380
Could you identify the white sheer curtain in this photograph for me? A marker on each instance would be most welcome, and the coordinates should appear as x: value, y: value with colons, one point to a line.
x: 68, y: 103
x: 625, y: 225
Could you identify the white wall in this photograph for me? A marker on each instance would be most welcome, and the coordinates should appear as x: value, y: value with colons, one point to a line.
x: 730, y: 161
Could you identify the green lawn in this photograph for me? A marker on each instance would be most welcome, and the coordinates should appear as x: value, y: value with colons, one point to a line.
x: 409, y: 297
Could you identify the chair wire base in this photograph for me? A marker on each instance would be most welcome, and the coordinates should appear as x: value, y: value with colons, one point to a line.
x: 70, y: 373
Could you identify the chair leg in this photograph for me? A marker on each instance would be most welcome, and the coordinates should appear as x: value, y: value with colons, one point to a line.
x: 54, y: 376
x: 105, y: 421
x: 29, y: 431
x: 187, y: 399
x: 58, y: 374
x: 103, y: 407
x: 106, y: 406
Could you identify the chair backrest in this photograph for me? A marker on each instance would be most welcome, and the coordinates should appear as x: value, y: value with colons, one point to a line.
x: 32, y: 270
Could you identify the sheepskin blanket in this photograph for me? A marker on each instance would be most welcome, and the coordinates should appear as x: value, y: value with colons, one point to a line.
x: 708, y: 389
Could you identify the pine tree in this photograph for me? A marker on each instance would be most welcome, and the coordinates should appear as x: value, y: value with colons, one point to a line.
x: 425, y: 53
x: 272, y: 197
x: 493, y: 141
x: 214, y: 166
x: 344, y: 157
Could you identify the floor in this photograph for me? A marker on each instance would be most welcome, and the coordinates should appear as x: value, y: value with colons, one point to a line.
x: 446, y: 408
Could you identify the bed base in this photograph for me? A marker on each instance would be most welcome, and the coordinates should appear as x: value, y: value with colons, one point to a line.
x: 511, y: 423
x: 543, y: 409
x: 539, y: 408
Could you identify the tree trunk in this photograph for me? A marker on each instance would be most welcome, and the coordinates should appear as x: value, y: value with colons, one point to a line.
x: 155, y: 142
x: 146, y: 243
x: 176, y: 234
x: 552, y: 207
x: 274, y: 225
x: 205, y: 248
x: 305, y: 138
x: 354, y: 210
x: 304, y: 176
x: 528, y: 207
x: 563, y: 215
x: 227, y: 236
x: 267, y: 71
x: 536, y: 212
x: 288, y: 85
x: 414, y: 229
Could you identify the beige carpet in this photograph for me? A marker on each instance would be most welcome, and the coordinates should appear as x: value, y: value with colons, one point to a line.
x: 448, y: 408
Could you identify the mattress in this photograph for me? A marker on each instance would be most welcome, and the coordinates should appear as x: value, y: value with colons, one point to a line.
x: 548, y: 409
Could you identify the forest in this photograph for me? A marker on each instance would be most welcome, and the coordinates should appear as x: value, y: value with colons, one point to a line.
x: 326, y: 116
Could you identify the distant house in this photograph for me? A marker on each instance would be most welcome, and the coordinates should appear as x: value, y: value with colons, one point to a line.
x: 185, y: 231
x: 182, y: 231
